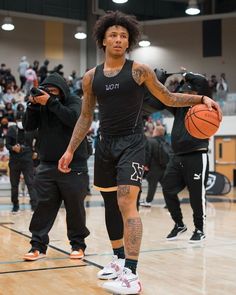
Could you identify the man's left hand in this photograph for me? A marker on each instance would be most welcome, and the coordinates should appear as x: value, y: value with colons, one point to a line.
x: 42, y: 99
x: 210, y: 103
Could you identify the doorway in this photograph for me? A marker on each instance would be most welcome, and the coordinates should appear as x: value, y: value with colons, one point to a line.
x: 225, y: 156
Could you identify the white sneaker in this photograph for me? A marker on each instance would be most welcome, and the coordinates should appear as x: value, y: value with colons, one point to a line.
x: 112, y: 270
x: 146, y: 204
x: 126, y: 283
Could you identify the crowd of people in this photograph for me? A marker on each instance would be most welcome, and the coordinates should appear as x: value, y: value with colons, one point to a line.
x: 62, y: 122
x: 30, y: 75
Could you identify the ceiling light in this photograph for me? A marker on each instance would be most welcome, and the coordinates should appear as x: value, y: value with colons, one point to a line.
x: 144, y: 42
x: 7, y: 24
x: 119, y: 1
x: 192, y: 8
x: 80, y: 34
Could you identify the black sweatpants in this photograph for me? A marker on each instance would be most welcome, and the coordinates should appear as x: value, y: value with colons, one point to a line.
x: 25, y: 167
x: 52, y: 188
x: 189, y: 170
x: 154, y: 176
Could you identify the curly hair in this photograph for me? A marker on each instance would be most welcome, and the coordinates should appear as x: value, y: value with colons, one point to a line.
x: 116, y: 18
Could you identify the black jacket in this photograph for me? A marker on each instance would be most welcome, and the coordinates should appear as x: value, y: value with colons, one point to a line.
x: 181, y: 141
x: 152, y: 151
x: 24, y: 139
x: 55, y: 123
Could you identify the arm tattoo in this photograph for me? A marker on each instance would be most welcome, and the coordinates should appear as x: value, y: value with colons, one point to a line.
x: 164, y: 95
x: 184, y: 99
x: 84, y: 122
x: 139, y: 74
x: 133, y: 232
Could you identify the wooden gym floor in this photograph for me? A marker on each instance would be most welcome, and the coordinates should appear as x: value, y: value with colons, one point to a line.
x: 165, y: 267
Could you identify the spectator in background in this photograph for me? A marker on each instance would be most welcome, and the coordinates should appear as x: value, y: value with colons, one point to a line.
x: 8, y: 96
x: 36, y: 66
x: 222, y: 89
x: 149, y: 126
x: 31, y: 77
x: 19, y: 95
x: 9, y: 79
x: 58, y: 69
x: 20, y: 109
x: 19, y: 144
x: 2, y: 70
x: 4, y: 157
x: 155, y: 165
x: 73, y: 81
x: 212, y: 84
x: 23, y: 66
x: 3, y: 126
x: 9, y: 112
x: 43, y: 71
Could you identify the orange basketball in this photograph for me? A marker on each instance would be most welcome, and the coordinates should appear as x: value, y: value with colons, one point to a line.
x: 201, y: 122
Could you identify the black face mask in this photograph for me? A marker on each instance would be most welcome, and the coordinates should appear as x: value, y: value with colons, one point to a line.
x: 55, y: 97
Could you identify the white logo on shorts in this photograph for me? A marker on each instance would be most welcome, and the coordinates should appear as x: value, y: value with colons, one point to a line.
x: 138, y: 172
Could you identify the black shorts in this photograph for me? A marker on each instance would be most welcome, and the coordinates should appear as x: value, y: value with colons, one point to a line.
x: 119, y: 160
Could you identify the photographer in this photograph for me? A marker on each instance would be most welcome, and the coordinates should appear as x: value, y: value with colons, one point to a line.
x: 53, y: 111
x: 19, y: 144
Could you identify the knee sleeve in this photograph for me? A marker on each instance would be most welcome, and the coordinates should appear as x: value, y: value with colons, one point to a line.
x: 113, y: 217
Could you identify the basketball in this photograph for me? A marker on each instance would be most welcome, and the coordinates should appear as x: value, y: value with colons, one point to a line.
x: 200, y: 122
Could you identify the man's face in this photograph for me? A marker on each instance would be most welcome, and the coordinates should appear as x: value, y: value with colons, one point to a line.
x: 116, y: 40
x: 4, y: 121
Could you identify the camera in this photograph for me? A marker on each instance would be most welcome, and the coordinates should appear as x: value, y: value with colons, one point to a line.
x: 37, y: 91
x: 22, y: 148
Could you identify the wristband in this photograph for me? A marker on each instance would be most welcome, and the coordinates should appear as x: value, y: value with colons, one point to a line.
x: 202, y: 99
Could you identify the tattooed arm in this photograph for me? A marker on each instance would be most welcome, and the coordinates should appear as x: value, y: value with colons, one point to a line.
x: 83, y: 124
x: 143, y: 74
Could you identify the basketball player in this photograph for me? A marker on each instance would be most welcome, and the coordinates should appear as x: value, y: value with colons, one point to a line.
x: 118, y: 87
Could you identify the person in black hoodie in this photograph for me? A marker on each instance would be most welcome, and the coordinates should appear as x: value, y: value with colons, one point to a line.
x: 189, y: 165
x: 19, y: 144
x: 54, y: 114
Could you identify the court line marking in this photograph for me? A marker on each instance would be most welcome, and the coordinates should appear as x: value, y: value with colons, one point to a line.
x: 199, y: 246
x: 53, y: 247
x: 46, y: 258
x: 40, y: 269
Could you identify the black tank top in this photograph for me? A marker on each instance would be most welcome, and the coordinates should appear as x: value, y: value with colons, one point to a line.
x: 120, y: 101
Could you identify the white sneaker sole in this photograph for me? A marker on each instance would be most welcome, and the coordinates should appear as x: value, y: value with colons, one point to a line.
x: 119, y: 291
x: 196, y: 242
x: 176, y: 237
